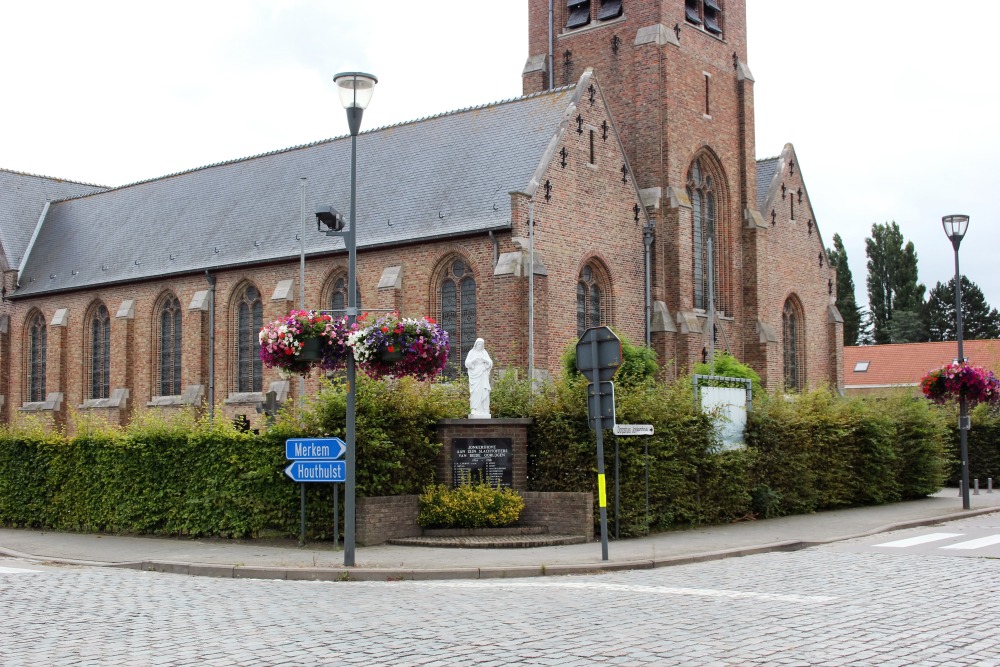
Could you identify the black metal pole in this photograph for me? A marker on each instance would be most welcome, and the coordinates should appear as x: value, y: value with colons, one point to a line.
x: 646, y: 453
x: 963, y: 408
x: 602, y: 494
x: 617, y: 489
x: 336, y: 516
x: 302, y: 525
x: 352, y: 316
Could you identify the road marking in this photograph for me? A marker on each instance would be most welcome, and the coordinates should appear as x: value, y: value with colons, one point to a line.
x: 16, y: 570
x: 922, y: 539
x: 975, y: 544
x: 623, y: 588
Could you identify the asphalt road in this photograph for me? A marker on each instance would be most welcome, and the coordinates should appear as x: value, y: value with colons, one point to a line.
x: 851, y: 603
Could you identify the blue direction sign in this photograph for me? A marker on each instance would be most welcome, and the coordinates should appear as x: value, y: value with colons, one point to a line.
x: 314, y: 449
x: 317, y: 471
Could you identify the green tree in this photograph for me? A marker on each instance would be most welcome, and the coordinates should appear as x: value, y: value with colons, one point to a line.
x: 892, y: 286
x: 979, y: 321
x: 846, y: 302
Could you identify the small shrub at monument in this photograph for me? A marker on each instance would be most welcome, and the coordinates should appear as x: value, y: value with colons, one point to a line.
x: 475, y: 505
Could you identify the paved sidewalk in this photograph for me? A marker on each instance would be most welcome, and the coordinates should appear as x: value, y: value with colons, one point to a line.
x: 238, y: 558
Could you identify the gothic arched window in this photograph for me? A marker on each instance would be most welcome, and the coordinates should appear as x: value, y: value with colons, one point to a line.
x: 249, y: 316
x: 792, y: 340
x: 168, y: 343
x: 457, y: 311
x: 700, y: 189
x: 37, y: 347
x: 338, y: 295
x: 592, y: 300
x: 99, y: 352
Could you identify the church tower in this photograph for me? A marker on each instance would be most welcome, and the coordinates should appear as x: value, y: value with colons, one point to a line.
x: 675, y: 76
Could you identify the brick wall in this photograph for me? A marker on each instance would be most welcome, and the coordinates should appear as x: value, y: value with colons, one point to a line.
x: 383, y: 518
x: 563, y: 513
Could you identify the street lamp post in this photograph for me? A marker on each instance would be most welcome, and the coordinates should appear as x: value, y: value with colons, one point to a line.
x: 355, y: 90
x: 955, y: 227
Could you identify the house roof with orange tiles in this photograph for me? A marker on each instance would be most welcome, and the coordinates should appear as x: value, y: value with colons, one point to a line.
x: 904, y: 364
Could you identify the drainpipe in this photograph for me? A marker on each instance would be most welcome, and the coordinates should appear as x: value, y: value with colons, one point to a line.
x: 211, y: 346
x: 531, y: 287
x: 647, y: 237
x: 552, y: 76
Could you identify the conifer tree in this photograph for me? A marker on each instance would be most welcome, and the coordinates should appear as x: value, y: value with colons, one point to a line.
x: 979, y: 321
x: 892, y: 286
x: 846, y: 302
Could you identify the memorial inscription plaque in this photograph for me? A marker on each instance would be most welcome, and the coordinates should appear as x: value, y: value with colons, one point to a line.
x: 486, y: 459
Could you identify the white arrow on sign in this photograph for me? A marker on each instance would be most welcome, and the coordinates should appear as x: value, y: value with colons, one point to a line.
x: 633, y: 429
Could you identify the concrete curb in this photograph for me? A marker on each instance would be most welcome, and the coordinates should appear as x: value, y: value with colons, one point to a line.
x: 497, y: 572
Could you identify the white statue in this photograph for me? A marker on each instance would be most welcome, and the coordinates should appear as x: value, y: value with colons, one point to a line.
x: 479, y: 364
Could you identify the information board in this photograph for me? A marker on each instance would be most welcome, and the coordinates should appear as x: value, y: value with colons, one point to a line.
x: 488, y: 459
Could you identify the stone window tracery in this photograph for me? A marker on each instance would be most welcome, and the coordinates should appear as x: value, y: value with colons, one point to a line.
x: 37, y: 348
x: 249, y: 319
x: 99, y: 353
x: 456, y: 293
x: 168, y: 347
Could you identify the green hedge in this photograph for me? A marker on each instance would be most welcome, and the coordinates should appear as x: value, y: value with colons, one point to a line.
x: 984, y: 445
x: 182, y: 477
x: 804, y: 453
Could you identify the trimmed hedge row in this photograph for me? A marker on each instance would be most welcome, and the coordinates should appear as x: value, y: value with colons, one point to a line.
x: 984, y: 446
x: 182, y: 477
x: 805, y: 453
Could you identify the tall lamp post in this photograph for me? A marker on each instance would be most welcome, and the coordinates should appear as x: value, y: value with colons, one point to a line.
x: 955, y: 227
x: 355, y: 90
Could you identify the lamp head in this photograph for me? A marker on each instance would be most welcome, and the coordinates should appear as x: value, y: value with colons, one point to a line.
x: 955, y: 227
x: 355, y: 89
x: 329, y: 216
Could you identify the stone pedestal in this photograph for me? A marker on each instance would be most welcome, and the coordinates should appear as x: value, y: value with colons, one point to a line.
x: 496, y: 447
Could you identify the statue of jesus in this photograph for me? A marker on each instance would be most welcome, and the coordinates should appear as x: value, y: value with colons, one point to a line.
x: 479, y: 365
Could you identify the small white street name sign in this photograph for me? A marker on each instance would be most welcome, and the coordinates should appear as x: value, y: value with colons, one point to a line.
x: 633, y: 429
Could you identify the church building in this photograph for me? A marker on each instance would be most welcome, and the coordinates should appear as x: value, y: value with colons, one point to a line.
x: 621, y: 189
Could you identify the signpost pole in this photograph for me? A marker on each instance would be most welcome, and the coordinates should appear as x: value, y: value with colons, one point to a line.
x: 602, y: 494
x: 336, y: 516
x: 302, y: 524
x: 617, y: 488
x: 646, y: 461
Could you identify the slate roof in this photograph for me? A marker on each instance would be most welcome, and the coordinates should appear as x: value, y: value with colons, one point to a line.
x: 766, y: 171
x: 441, y: 176
x: 22, y: 198
x: 904, y: 364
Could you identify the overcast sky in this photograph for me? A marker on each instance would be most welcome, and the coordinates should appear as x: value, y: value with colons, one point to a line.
x: 892, y: 106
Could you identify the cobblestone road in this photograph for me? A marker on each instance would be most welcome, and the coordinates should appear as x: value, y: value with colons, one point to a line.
x: 815, y: 607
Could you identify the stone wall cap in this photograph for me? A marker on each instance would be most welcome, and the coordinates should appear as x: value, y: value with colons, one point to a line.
x: 507, y: 421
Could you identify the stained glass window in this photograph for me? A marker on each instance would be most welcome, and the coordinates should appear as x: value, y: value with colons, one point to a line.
x: 100, y: 353
x: 457, y: 293
x: 590, y: 301
x: 37, y: 348
x: 249, y: 321
x: 170, y: 347
x: 791, y: 341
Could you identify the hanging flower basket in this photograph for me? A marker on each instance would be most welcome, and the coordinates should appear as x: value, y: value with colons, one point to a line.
x: 955, y: 381
x: 303, y: 340
x: 392, y: 346
x: 311, y: 350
